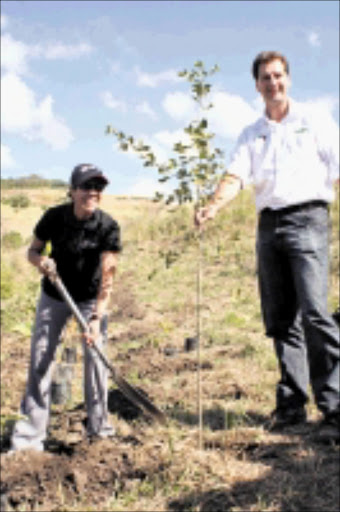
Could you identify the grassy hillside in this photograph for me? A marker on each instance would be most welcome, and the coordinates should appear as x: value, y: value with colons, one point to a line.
x: 149, y: 467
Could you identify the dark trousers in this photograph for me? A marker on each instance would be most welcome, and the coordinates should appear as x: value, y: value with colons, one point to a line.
x: 292, y: 252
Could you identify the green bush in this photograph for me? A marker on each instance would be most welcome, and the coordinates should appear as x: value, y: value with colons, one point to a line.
x: 18, y: 201
x: 12, y: 240
x: 18, y: 300
x: 7, y: 281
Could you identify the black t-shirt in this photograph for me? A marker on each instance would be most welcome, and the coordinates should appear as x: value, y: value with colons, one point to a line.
x: 77, y: 246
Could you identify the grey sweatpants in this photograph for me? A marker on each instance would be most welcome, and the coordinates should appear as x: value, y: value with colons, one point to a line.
x: 51, y: 317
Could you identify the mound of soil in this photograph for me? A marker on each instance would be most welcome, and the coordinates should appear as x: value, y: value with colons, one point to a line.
x: 73, y: 468
x: 87, y: 471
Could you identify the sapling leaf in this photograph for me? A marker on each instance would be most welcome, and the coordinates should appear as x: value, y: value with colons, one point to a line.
x: 195, y: 163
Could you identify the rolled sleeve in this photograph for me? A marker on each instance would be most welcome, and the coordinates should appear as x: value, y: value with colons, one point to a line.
x: 112, y: 240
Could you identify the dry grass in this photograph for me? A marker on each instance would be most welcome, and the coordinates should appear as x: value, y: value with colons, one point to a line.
x: 241, y: 467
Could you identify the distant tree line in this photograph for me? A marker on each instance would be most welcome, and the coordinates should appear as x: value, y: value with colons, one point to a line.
x: 32, y: 181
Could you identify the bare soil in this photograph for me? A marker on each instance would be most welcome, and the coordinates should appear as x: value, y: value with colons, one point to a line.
x: 241, y: 469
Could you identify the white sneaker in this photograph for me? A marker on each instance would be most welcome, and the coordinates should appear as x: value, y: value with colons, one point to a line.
x: 25, y: 437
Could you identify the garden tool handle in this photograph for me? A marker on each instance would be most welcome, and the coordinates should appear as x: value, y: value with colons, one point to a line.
x: 80, y: 318
x: 68, y: 299
x: 127, y: 389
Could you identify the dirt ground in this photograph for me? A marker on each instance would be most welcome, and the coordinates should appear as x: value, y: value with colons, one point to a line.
x: 73, y: 469
x: 74, y: 473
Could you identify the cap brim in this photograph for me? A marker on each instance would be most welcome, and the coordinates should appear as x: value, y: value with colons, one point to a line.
x: 94, y: 174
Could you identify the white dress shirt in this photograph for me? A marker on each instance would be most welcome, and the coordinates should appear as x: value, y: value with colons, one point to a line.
x: 289, y: 162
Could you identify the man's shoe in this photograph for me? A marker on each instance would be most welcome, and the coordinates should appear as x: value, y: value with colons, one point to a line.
x: 329, y: 429
x: 285, y: 417
x: 106, y: 433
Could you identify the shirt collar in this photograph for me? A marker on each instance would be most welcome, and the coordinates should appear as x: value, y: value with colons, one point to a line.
x: 292, y: 115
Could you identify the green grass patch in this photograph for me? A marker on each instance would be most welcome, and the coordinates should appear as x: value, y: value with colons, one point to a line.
x: 12, y: 240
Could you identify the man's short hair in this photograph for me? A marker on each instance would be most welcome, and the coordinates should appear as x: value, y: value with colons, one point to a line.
x: 264, y: 58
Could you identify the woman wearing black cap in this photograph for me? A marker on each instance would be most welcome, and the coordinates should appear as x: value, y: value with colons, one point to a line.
x: 85, y: 242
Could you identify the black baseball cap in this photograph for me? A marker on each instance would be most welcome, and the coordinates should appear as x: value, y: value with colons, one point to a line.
x: 85, y: 172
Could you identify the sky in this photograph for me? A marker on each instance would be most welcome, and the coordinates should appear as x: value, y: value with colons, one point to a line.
x: 70, y: 68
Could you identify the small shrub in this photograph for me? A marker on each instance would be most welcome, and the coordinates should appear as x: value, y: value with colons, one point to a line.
x: 7, y: 281
x: 233, y: 319
x: 18, y: 201
x: 12, y: 240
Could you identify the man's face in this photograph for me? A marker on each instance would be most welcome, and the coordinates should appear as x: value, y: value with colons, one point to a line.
x: 273, y: 82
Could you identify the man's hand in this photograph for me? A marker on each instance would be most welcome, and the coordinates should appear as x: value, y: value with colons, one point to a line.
x: 202, y: 215
x: 227, y: 189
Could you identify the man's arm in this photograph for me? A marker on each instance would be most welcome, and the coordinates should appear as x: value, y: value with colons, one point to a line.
x: 227, y: 189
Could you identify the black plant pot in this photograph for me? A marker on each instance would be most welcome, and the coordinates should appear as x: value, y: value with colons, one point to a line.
x: 69, y: 355
x: 190, y: 344
x: 61, y: 387
x: 60, y: 392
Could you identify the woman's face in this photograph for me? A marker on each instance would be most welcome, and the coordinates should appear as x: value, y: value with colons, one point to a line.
x: 86, y: 197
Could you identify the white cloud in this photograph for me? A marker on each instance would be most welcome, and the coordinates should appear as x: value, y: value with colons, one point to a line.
x: 144, y: 108
x: 147, y: 187
x: 230, y: 114
x: 321, y: 110
x: 52, y: 129
x: 324, y: 105
x: 22, y: 114
x: 154, y: 79
x: 15, y: 55
x: 161, y: 144
x: 159, y: 149
x: 4, y: 21
x: 111, y: 102
x: 65, y: 51
x: 258, y: 105
x: 179, y: 106
x: 7, y: 160
x: 313, y: 39
x: 168, y: 139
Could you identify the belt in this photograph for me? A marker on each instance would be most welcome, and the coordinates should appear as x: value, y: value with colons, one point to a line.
x: 296, y: 207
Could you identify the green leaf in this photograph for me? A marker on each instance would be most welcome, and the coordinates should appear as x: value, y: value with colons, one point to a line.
x: 158, y: 196
x: 196, y: 161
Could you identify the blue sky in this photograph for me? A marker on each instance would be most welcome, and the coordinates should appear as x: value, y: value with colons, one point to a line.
x: 69, y: 68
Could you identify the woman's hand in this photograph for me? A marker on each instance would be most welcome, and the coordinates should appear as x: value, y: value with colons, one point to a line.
x: 93, y: 333
x: 47, y: 266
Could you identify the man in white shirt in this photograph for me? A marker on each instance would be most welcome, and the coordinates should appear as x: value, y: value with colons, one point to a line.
x: 292, y: 159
